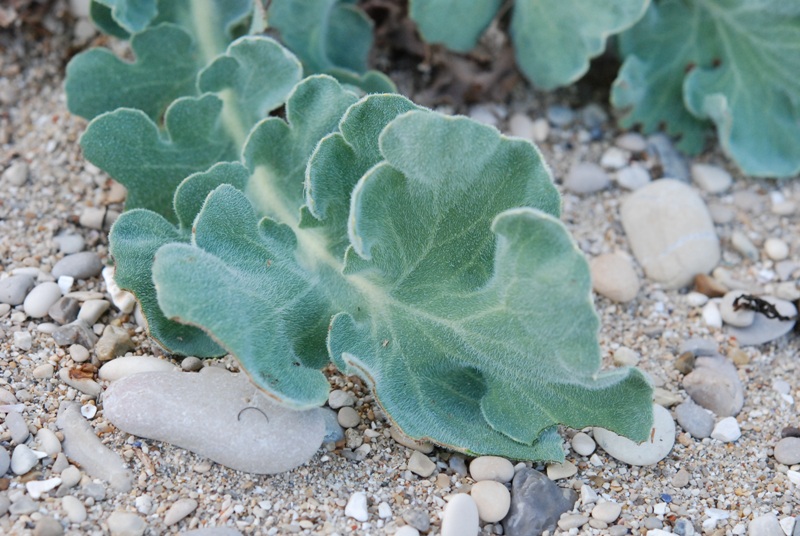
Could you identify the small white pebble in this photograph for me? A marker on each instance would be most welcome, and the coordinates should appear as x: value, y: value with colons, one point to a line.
x: 357, y: 506
x: 727, y: 430
x: 696, y: 299
x: 89, y: 411
x: 776, y: 249
x: 711, y: 315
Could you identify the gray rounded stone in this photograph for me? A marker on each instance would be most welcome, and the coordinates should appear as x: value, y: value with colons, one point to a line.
x: 69, y: 243
x: 81, y: 265
x: 585, y: 178
x: 655, y: 449
x: 48, y: 526
x: 348, y: 417
x: 712, y: 179
x: 23, y: 460
x: 787, y: 451
x: 339, y: 398
x: 633, y: 177
x: 697, y: 421
x: 670, y: 232
x: 126, y: 524
x: 714, y: 384
x: 536, y: 504
x: 13, y: 289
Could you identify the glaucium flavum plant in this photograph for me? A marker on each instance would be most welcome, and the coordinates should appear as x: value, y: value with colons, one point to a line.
x: 421, y: 252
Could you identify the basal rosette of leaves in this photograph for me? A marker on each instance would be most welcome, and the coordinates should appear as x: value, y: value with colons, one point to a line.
x: 554, y: 40
x: 733, y: 63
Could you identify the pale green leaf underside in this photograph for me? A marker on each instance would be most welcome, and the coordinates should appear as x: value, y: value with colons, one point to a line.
x: 734, y: 62
x: 555, y: 39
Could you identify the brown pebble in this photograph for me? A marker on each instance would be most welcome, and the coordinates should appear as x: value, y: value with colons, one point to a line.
x: 4, y: 483
x: 790, y: 431
x: 739, y: 357
x: 705, y: 284
x: 685, y: 440
x: 442, y: 481
x: 685, y: 363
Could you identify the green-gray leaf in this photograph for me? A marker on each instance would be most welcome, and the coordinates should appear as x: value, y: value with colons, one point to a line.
x: 455, y: 23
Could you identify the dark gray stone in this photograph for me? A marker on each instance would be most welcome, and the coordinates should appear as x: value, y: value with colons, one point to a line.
x: 536, y: 504
x: 673, y: 163
x: 695, y: 420
x: 14, y: 289
x: 77, y: 332
x: 65, y: 310
x: 81, y: 265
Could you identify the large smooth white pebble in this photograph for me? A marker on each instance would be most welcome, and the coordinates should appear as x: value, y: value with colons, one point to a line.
x: 461, y: 517
x: 76, y: 511
x: 491, y: 468
x: 41, y: 298
x: 711, y: 315
x: 493, y: 500
x: 583, y: 444
x: 406, y: 530
x: 126, y: 366
x: 776, y: 249
x: 608, y: 512
x: 654, y: 449
x: 357, y: 506
x: 48, y: 442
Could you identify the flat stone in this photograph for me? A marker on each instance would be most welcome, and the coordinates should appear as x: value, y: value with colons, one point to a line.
x: 699, y: 346
x: 697, y: 422
x: 572, y: 521
x: 653, y: 450
x: 84, y: 385
x: 765, y: 329
x: 65, y: 310
x: 670, y: 232
x: 23, y: 505
x: 536, y: 504
x: 614, y: 277
x: 357, y: 507
x: 727, y: 430
x: 787, y: 451
x: 714, y: 384
x: 13, y: 289
x: 606, y: 511
x: 491, y: 468
x: 37, y: 488
x: 766, y: 525
x: 116, y: 341
x: 493, y: 500
x: 179, y: 408
x: 83, y: 447
x: 179, y: 510
x: 633, y: 177
x: 70, y: 477
x: 742, y: 317
x: 461, y: 517
x: 69, y: 243
x: 126, y: 524
x: 583, y: 444
x: 420, y: 464
x: 559, y: 471
x: 23, y: 459
x: 712, y: 179
x: 585, y: 178
x: 83, y: 265
x: 122, y: 367
x: 672, y: 161
x: 40, y: 299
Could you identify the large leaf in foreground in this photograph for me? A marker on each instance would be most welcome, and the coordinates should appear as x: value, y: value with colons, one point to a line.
x: 734, y: 62
x: 461, y: 299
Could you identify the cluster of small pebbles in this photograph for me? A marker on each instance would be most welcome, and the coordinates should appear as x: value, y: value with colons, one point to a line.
x: 101, y: 433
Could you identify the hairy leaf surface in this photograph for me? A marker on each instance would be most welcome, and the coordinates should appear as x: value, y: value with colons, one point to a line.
x: 734, y: 62
x: 457, y: 24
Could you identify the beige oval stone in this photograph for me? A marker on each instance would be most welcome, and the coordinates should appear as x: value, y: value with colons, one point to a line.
x: 493, y: 500
x: 614, y: 277
x: 491, y: 468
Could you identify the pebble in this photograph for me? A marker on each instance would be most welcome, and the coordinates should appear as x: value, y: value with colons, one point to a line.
x: 714, y: 384
x: 614, y: 277
x: 672, y: 162
x: 743, y: 245
x: 5, y: 503
x: 339, y: 398
x: 696, y: 299
x: 784, y: 208
x: 348, y: 417
x: 17, y: 426
x: 493, y: 500
x: 536, y: 504
x: 85, y: 385
x: 23, y: 340
x: 75, y: 332
x: 572, y: 521
x: 92, y: 310
x: 420, y: 464
x: 614, y: 158
x: 191, y: 364
x: 69, y: 243
x: 48, y: 526
x: 83, y: 447
x: 70, y: 477
x: 648, y: 453
x: 37, y: 488
x: 76, y: 511
x: 583, y: 444
x: 16, y: 174
x: 40, y: 299
x: 78, y: 353
x: 114, y: 342
x: 606, y: 511
x: 23, y: 459
x: 93, y: 218
x: 126, y: 524
x: 491, y: 468
x: 213, y: 531
x: 560, y: 116
x: 558, y: 471
x: 708, y: 286
x: 384, y: 510
x: 540, y: 130
x: 417, y: 518
x: 179, y: 510
x: 766, y: 525
x: 727, y: 430
x: 699, y: 346
x: 65, y: 283
x: 739, y: 318
x: 5, y: 462
x: 180, y: 408
x: 633, y: 177
x: 357, y: 506
x: 586, y: 178
x: 672, y: 247
x: 711, y: 315
x: 666, y: 398
x: 712, y: 179
x: 13, y: 289
x: 4, y: 309
x: 48, y: 442
x: 588, y: 495
x: 457, y: 465
x: 89, y: 411
x: 521, y: 126
x: 65, y: 310
x: 776, y: 249
x: 23, y: 505
x: 406, y: 530
x: 461, y: 517
x: 765, y: 329
x: 696, y: 421
x: 681, y: 478
x: 787, y: 451
x: 126, y: 366
x: 83, y: 265
x: 631, y: 141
